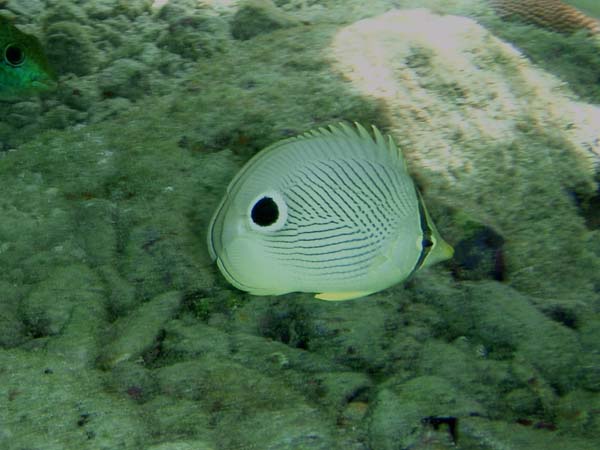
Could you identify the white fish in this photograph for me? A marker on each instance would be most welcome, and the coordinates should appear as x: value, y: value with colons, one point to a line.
x: 333, y: 211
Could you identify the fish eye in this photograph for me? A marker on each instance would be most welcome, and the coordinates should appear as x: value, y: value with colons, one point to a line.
x: 268, y: 212
x: 265, y: 212
x: 427, y: 243
x: 14, y: 55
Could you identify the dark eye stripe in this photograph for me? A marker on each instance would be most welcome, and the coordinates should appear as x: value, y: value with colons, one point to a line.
x: 427, y: 234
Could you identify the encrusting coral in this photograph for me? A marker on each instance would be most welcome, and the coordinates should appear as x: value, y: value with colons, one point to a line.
x: 552, y: 14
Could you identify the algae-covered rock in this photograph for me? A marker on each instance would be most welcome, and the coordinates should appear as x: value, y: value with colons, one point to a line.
x: 70, y: 48
x: 590, y: 360
x: 399, y: 412
x: 506, y: 321
x: 193, y: 32
x: 50, y: 305
x: 463, y: 365
x: 20, y: 114
x: 138, y: 332
x: 354, y: 337
x: 273, y: 357
x: 133, y: 380
x: 12, y: 328
x: 576, y: 413
x: 124, y: 78
x: 336, y: 390
x: 42, y: 392
x: 178, y: 418
x: 253, y: 409
x: 192, y: 340
x: 223, y: 384
x: 296, y: 427
x: 499, y: 434
x: 508, y: 325
x: 256, y: 17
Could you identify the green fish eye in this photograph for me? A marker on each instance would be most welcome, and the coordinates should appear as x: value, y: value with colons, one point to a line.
x: 13, y: 55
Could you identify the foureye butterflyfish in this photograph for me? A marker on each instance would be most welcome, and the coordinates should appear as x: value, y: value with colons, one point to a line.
x: 332, y: 211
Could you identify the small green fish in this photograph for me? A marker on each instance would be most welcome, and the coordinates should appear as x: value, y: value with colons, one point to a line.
x: 24, y: 68
x: 333, y: 212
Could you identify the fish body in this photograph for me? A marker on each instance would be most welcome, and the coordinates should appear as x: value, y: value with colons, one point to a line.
x: 24, y: 68
x: 332, y: 212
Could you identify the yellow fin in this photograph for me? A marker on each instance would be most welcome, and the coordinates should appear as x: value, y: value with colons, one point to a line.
x: 338, y: 296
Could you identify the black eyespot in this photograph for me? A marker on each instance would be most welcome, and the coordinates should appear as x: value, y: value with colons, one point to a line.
x: 14, y: 55
x: 265, y: 212
x: 427, y: 243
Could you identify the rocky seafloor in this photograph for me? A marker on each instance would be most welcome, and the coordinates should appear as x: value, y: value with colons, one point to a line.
x: 118, y: 332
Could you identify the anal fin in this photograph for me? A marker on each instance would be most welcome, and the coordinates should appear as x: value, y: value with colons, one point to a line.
x: 339, y: 296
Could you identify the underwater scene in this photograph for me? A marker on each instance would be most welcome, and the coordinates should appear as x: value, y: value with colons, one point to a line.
x: 299, y: 224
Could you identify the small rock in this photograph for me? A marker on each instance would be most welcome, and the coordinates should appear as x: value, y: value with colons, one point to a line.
x: 48, y: 308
